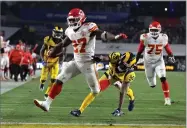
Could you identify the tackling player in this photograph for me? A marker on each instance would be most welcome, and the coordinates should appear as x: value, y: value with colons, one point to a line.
x: 152, y: 44
x: 121, y: 74
x: 83, y: 37
x: 50, y: 64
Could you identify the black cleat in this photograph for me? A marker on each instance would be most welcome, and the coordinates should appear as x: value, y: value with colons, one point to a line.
x: 131, y: 105
x: 76, y: 113
x: 41, y: 87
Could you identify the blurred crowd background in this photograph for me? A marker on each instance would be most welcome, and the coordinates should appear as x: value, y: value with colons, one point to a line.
x: 32, y: 21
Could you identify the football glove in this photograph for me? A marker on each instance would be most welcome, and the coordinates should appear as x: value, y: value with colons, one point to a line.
x: 171, y: 59
x: 117, y: 112
x: 121, y: 35
x: 44, y: 63
x: 96, y: 59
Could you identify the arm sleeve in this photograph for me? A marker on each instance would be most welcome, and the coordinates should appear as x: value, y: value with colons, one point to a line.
x: 168, y: 49
x: 141, y: 47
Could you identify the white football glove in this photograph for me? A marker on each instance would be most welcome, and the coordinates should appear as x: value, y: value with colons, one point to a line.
x: 117, y: 112
x: 171, y: 59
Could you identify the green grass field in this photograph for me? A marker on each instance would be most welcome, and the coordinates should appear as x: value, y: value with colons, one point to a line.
x: 17, y: 105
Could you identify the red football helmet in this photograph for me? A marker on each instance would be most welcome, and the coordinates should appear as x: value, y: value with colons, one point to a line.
x: 75, y: 18
x: 154, y: 28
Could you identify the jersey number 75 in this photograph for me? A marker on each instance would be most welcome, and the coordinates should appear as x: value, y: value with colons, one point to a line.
x: 158, y: 48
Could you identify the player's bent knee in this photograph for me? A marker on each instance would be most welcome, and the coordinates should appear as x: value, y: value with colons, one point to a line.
x: 163, y: 79
x: 58, y: 82
x: 52, y: 80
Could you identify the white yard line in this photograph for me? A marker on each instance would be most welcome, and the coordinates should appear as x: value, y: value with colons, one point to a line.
x: 11, y: 84
x: 89, y: 124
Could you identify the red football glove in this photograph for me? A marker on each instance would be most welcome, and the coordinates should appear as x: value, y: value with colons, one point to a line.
x: 121, y: 35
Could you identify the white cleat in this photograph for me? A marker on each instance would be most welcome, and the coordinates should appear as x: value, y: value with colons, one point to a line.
x: 42, y: 104
x: 167, y: 101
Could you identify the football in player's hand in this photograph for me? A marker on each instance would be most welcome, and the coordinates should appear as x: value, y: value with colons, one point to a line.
x: 56, y: 50
x: 49, y: 52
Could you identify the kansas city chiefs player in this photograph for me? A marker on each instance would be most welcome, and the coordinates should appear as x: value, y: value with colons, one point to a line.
x: 5, y: 48
x: 82, y: 36
x: 152, y: 44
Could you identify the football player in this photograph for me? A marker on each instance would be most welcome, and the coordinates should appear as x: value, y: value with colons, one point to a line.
x: 152, y: 44
x: 5, y: 49
x: 82, y: 36
x: 121, y: 74
x: 50, y: 64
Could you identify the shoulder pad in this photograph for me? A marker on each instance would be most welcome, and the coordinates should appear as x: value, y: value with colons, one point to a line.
x: 46, y: 39
x: 143, y: 36
x: 165, y: 36
x: 92, y: 26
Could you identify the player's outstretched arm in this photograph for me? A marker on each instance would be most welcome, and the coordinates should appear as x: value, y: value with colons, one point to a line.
x: 168, y: 49
x: 141, y: 48
x: 58, y: 49
x: 108, y: 36
x: 123, y: 91
x: 170, y: 53
x: 44, y: 47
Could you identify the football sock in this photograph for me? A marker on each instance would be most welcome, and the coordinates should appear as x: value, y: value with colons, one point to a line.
x: 49, y: 100
x: 55, y: 90
x: 165, y: 88
x: 130, y: 94
x: 8, y: 73
x: 48, y: 88
x: 2, y: 73
x: 104, y: 84
x: 89, y: 98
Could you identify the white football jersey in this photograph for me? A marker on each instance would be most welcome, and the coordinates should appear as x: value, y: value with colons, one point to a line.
x: 5, y: 45
x: 153, y: 47
x: 83, y: 44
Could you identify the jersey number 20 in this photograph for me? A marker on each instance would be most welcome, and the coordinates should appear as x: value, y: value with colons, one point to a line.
x: 79, y: 45
x: 153, y: 46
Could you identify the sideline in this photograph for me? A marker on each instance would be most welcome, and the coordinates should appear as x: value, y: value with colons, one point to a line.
x: 6, y: 86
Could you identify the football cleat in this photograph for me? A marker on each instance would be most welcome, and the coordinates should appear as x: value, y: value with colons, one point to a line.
x: 76, y: 113
x: 167, y: 101
x: 117, y: 112
x: 42, y: 104
x: 131, y: 105
x: 41, y: 87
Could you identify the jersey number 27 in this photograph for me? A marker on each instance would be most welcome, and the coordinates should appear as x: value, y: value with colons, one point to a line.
x: 79, y: 45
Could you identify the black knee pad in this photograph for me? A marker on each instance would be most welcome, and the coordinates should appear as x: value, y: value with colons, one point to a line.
x: 58, y: 82
x: 43, y: 81
x: 52, y: 80
x: 162, y: 79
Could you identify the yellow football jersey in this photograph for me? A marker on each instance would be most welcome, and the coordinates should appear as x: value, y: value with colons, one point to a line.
x: 50, y: 44
x: 123, y: 70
